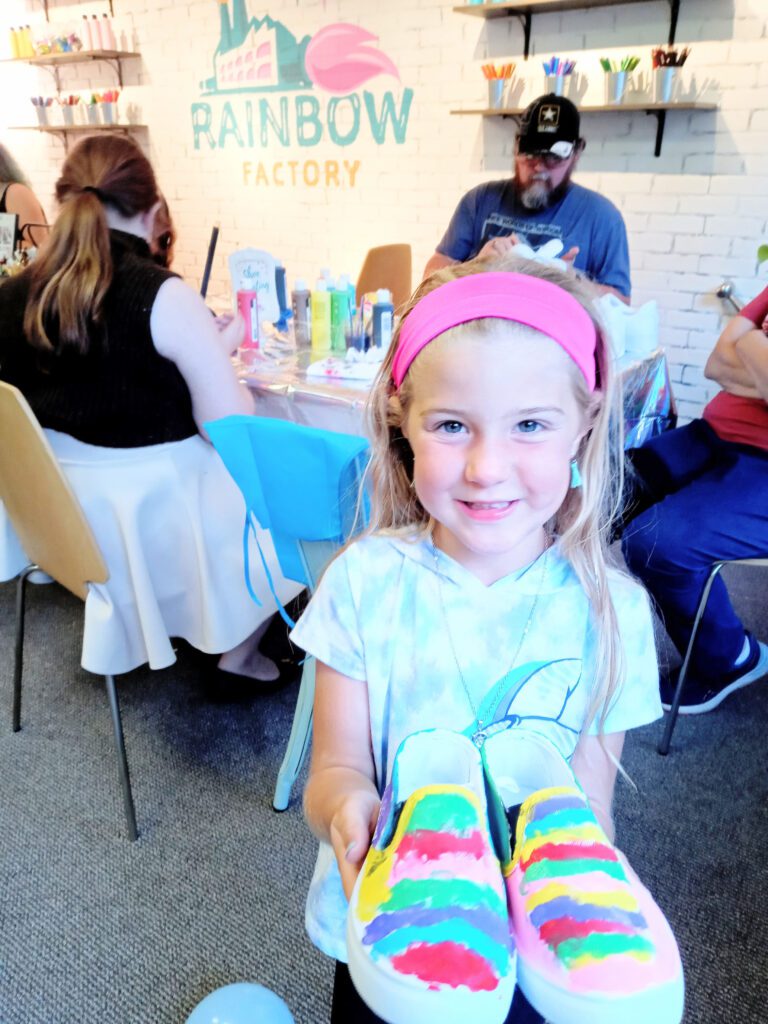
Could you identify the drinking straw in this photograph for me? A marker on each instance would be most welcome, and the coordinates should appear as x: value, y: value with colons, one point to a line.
x: 209, y: 260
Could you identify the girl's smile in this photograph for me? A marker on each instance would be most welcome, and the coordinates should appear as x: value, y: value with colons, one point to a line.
x: 493, y: 422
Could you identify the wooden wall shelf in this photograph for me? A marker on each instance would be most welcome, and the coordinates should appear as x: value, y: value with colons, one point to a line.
x: 659, y: 110
x: 44, y: 5
x: 65, y: 130
x: 525, y: 9
x: 53, y: 61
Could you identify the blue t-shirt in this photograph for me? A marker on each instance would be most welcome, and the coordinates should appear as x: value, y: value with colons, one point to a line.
x: 582, y: 217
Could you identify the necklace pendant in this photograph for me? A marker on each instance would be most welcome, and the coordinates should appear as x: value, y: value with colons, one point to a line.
x: 479, y: 738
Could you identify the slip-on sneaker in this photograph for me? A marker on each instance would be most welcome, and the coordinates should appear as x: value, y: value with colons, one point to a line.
x: 592, y: 944
x: 701, y: 695
x: 428, y: 934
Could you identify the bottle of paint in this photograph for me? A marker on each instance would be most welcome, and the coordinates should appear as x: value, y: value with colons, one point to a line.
x: 26, y: 46
x: 383, y: 314
x: 321, y: 316
x: 248, y: 307
x: 339, y: 317
x: 108, y: 40
x: 87, y: 35
x: 98, y: 42
x: 15, y: 54
x: 302, y: 322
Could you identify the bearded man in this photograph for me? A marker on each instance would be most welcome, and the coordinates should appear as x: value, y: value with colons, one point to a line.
x: 541, y: 203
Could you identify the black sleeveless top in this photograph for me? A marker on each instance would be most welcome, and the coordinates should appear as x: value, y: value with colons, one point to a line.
x: 122, y: 393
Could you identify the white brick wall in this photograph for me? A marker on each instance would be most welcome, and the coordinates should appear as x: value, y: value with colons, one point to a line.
x: 695, y: 215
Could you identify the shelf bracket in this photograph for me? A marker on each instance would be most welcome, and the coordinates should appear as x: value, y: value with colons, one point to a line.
x: 525, y: 20
x: 674, y: 10
x: 44, y: 5
x: 117, y: 67
x: 54, y: 72
x: 661, y: 120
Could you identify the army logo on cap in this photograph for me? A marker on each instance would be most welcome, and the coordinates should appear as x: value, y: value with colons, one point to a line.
x: 549, y: 117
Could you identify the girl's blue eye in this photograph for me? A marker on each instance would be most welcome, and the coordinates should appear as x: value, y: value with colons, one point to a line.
x: 528, y: 426
x: 451, y: 427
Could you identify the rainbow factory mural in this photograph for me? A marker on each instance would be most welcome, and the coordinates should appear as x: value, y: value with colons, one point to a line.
x: 269, y: 90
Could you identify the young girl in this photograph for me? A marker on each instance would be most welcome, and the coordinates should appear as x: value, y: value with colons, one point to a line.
x: 480, y: 592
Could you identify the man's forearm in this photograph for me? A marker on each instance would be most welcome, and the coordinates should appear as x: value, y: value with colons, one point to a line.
x: 436, y: 262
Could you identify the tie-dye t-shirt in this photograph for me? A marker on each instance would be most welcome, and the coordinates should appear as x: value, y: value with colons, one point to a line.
x: 398, y: 616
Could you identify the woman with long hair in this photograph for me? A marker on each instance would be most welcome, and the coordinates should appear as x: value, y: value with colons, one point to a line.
x: 122, y: 364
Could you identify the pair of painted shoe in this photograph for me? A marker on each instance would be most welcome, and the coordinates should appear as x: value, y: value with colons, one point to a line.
x: 445, y: 919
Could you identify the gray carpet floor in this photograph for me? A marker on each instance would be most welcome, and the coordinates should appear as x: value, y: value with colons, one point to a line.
x: 96, y: 929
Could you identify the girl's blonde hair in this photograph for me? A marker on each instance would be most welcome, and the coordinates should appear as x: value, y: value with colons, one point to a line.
x: 582, y: 524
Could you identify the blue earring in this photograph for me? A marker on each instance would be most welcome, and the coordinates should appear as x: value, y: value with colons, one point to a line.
x: 575, y: 474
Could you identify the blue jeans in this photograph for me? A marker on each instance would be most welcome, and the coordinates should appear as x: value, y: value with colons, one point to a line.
x: 702, y: 499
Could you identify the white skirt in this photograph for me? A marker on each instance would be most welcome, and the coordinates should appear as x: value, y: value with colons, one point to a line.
x: 169, y: 522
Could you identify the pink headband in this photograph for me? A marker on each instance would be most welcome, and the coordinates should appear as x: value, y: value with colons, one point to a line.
x: 507, y: 296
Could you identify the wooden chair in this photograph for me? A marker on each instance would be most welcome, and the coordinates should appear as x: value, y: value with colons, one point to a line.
x: 302, y: 484
x: 387, y: 266
x: 671, y: 720
x: 55, y: 534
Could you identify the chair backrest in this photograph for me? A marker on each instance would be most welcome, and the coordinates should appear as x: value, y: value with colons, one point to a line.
x: 40, y: 503
x: 387, y: 266
x: 301, y: 483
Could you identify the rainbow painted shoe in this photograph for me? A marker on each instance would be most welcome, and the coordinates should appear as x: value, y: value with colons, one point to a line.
x: 592, y: 944
x: 428, y: 934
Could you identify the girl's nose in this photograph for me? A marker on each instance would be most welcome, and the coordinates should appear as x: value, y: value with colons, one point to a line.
x: 488, y: 463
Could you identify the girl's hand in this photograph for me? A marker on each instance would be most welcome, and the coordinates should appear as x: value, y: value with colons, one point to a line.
x: 351, y: 829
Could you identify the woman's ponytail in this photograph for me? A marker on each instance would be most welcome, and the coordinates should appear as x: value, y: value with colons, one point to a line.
x: 70, y: 278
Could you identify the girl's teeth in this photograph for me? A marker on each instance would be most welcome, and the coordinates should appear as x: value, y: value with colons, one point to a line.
x: 488, y: 504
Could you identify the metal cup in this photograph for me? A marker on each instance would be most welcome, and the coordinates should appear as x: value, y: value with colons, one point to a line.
x: 664, y: 81
x: 496, y: 92
x: 42, y: 116
x: 92, y: 113
x: 556, y: 84
x: 615, y: 86
x: 108, y: 113
x: 68, y: 114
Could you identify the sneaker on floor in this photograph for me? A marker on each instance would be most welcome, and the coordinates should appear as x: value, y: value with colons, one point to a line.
x: 428, y: 935
x: 592, y: 945
x: 701, y: 695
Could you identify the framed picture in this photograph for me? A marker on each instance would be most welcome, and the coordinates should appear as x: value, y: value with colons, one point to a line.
x: 9, y: 225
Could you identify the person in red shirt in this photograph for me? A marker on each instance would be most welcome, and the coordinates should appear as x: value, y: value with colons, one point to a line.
x: 701, y: 495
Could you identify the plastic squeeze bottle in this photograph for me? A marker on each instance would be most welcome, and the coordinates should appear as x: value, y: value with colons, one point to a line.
x: 383, y: 314
x: 339, y: 317
x: 87, y: 35
x: 107, y: 35
x: 302, y: 322
x: 321, y: 317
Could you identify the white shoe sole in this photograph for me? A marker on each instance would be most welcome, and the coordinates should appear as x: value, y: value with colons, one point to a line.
x: 660, y: 1005
x: 405, y: 1001
x: 760, y: 669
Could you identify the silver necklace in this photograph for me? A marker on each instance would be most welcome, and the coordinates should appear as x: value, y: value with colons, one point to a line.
x: 480, y: 726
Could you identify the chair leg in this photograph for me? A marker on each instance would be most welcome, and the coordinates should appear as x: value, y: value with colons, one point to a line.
x: 122, y: 760
x: 299, y: 740
x: 18, y: 657
x: 671, y: 721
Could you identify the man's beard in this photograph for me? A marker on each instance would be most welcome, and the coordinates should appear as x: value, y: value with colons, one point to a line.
x: 540, y: 194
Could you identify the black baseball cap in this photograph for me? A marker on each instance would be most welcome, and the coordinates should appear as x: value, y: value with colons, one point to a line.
x: 549, y: 125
